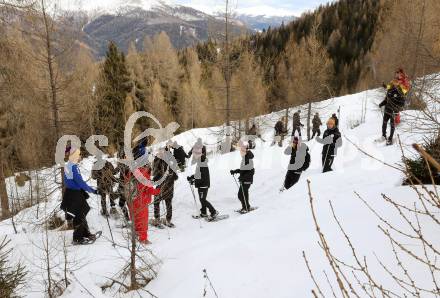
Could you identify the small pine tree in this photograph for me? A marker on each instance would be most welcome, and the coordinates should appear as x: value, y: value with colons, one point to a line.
x: 11, y: 278
x: 115, y: 84
x: 419, y: 168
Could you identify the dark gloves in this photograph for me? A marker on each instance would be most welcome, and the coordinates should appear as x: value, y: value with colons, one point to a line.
x: 233, y: 172
x: 191, y: 179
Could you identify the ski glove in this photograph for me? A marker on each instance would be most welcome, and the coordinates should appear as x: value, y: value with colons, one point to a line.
x: 233, y: 172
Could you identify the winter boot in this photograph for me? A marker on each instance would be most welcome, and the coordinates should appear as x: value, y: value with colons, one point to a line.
x: 213, y: 216
x: 389, y: 142
x: 80, y: 241
x: 156, y: 223
x: 104, y: 212
x: 169, y: 224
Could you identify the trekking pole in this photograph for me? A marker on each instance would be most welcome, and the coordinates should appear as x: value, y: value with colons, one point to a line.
x: 325, y: 159
x: 242, y: 190
x: 166, y: 227
x: 233, y: 175
x: 111, y: 233
x: 195, y: 202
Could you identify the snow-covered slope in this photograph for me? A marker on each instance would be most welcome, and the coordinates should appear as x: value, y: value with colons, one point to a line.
x: 254, y: 255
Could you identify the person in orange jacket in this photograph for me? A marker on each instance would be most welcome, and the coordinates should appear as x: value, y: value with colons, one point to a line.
x: 401, y: 82
x: 394, y: 102
x: 139, y: 206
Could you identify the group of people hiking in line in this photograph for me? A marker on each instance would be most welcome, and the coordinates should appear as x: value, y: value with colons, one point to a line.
x: 157, y: 179
x: 160, y: 176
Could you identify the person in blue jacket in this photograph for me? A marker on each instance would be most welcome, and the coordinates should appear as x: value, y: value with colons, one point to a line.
x: 75, y: 196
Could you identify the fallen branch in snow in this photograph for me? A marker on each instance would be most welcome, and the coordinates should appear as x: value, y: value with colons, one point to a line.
x: 428, y: 157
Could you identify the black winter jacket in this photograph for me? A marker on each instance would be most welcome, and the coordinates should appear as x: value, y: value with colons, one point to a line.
x: 180, y: 155
x: 393, y: 102
x: 246, y: 170
x: 201, y: 177
x: 329, y: 149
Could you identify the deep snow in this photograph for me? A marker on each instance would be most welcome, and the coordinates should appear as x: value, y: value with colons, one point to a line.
x: 257, y: 254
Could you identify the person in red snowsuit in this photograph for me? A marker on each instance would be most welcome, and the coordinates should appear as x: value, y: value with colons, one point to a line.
x: 139, y: 206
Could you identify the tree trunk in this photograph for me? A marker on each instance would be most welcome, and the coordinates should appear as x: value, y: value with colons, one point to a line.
x: 418, y: 40
x: 228, y: 67
x: 52, y: 83
x: 309, y: 116
x: 3, y: 191
x: 286, y: 119
x: 52, y: 80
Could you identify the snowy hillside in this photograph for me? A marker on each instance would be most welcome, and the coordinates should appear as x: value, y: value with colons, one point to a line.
x: 255, y: 255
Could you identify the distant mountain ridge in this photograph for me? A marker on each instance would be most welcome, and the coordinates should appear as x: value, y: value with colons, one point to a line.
x: 131, y: 21
x: 263, y: 22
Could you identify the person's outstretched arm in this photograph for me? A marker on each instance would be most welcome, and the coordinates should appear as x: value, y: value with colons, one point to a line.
x: 80, y: 181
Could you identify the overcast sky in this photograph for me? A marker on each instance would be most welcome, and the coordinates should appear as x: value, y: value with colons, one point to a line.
x: 269, y: 7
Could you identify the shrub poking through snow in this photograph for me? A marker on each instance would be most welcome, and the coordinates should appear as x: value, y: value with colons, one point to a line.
x: 418, y: 167
x: 11, y: 275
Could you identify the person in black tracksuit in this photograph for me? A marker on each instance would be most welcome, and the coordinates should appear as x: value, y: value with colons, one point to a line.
x: 296, y: 123
x: 316, y: 126
x: 162, y: 170
x: 124, y: 172
x: 246, y: 178
x: 201, y: 179
x: 280, y: 132
x: 299, y: 162
x: 332, y: 140
x: 180, y: 155
x: 393, y: 102
x: 105, y: 181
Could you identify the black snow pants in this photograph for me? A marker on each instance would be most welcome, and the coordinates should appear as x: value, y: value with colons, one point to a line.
x: 243, y: 195
x: 168, y: 205
x: 316, y: 132
x: 388, y: 117
x: 327, y: 162
x: 80, y: 227
x: 291, y: 179
x: 203, y: 193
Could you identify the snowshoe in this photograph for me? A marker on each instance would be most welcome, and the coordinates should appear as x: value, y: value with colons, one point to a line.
x: 83, y: 241
x: 389, y: 142
x: 244, y: 211
x: 216, y: 217
x: 168, y: 224
x: 88, y: 240
x: 157, y: 223
x: 201, y: 215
